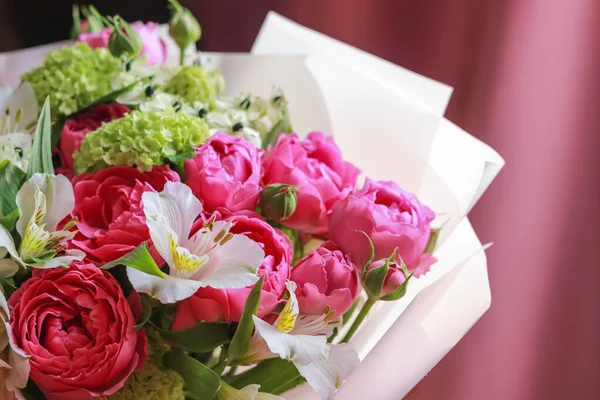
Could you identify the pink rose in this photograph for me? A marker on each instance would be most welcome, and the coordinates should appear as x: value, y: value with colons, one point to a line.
x: 390, y: 216
x: 79, y: 330
x: 395, y: 277
x: 316, y: 167
x: 209, y: 304
x: 77, y: 127
x: 325, y: 277
x: 153, y: 47
x: 110, y: 216
x: 225, y: 173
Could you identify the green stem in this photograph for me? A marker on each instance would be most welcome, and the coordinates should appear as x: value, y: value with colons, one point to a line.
x: 359, y: 319
x: 181, y: 56
x: 232, y: 371
x: 220, y: 367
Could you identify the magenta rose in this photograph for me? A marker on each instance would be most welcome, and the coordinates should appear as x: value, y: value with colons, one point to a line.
x: 225, y: 173
x: 390, y: 216
x: 209, y: 304
x: 316, y: 167
x: 153, y: 47
x: 78, y: 328
x: 326, y: 278
x: 109, y: 212
x: 77, y: 127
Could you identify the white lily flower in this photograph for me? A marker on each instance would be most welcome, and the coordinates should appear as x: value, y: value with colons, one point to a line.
x: 303, y: 341
x: 18, y: 113
x: 43, y: 201
x: 250, y: 392
x: 14, y: 363
x: 211, y: 257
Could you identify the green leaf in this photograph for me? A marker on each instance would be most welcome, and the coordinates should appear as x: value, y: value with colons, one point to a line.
x: 200, y: 338
x: 183, y: 156
x: 41, y: 150
x: 371, y: 256
x: 146, y: 311
x: 140, y: 259
x: 433, y: 238
x: 11, y: 180
x: 275, y: 376
x: 8, y: 286
x: 201, y: 382
x: 241, y: 339
x: 9, y: 221
x: 111, y: 97
x: 32, y: 392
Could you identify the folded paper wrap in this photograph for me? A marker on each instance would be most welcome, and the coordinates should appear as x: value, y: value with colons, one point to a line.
x: 389, y: 122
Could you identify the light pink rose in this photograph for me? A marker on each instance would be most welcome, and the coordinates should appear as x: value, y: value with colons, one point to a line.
x: 225, y: 173
x: 325, y: 277
x: 153, y: 47
x: 78, y: 328
x: 390, y: 216
x: 316, y: 167
x: 209, y: 304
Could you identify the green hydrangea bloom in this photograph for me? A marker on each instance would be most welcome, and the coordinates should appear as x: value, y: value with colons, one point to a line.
x: 73, y: 77
x: 194, y: 83
x: 142, y: 139
x: 154, y: 381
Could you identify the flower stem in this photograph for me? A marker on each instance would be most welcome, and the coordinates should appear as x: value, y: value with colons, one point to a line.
x: 222, y: 362
x: 181, y: 56
x: 359, y: 319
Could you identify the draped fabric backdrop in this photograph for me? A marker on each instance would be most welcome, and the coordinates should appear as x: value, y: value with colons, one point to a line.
x: 526, y: 75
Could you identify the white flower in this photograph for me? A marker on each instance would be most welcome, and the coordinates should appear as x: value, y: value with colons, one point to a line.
x: 43, y: 202
x: 18, y: 113
x: 211, y: 257
x: 14, y: 363
x: 303, y: 341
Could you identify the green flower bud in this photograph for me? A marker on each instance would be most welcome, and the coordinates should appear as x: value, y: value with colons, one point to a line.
x: 278, y: 201
x: 183, y: 26
x: 142, y: 139
x: 124, y: 40
x: 73, y: 77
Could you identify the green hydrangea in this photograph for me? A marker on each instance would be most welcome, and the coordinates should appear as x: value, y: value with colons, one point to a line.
x: 142, y: 139
x: 73, y: 77
x: 154, y: 381
x: 194, y: 83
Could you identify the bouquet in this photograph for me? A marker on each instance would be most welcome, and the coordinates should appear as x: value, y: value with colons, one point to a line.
x: 161, y: 239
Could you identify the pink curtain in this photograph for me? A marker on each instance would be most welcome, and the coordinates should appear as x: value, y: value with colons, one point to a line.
x: 527, y: 79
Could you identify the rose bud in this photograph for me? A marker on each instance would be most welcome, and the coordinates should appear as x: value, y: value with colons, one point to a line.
x: 124, y: 39
x: 183, y: 27
x: 326, y: 278
x: 278, y: 201
x: 390, y: 217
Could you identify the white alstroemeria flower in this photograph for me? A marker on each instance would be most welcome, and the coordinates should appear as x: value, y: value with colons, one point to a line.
x: 211, y: 257
x: 303, y: 341
x: 18, y: 113
x: 14, y: 363
x: 43, y: 202
x: 250, y: 392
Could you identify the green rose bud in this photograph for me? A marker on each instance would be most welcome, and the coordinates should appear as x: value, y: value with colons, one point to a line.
x: 278, y: 201
x: 124, y: 40
x: 183, y: 27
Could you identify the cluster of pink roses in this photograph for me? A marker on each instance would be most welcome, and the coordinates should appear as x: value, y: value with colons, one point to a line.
x: 227, y: 175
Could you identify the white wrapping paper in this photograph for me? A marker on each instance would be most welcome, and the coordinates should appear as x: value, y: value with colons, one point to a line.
x: 389, y: 122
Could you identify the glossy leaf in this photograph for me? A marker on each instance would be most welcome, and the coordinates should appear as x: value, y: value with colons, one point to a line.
x: 275, y: 376
x: 41, y: 149
x: 140, y: 259
x: 10, y: 220
x: 146, y: 312
x: 11, y: 180
x: 201, y: 382
x: 243, y: 334
x: 200, y: 338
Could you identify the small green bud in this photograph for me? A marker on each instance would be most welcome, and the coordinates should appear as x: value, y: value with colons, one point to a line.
x: 278, y: 201
x: 124, y: 39
x: 183, y: 26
